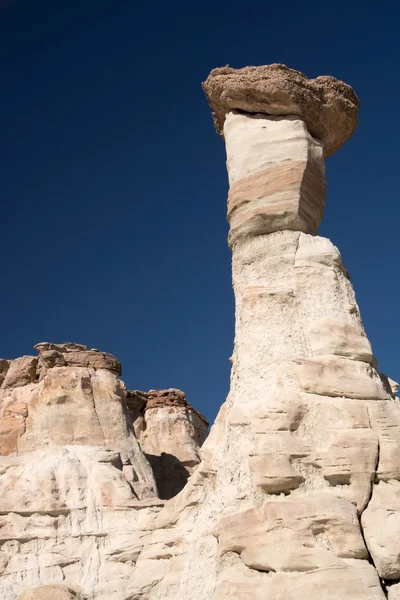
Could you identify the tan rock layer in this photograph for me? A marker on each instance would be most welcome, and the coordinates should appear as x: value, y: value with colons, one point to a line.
x: 31, y: 369
x: 277, y: 176
x: 312, y: 196
x: 68, y: 354
x: 291, y: 461
x: 50, y: 592
x: 268, y: 196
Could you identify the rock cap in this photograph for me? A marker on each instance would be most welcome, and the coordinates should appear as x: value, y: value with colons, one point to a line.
x: 329, y: 107
x: 71, y: 354
x: 138, y: 402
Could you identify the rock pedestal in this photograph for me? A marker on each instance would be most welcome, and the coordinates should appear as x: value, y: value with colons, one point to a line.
x: 297, y: 492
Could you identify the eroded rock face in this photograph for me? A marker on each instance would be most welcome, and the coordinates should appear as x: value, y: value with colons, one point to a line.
x: 20, y: 371
x: 270, y: 190
x: 70, y: 354
x: 171, y: 433
x: 77, y: 493
x: 51, y: 592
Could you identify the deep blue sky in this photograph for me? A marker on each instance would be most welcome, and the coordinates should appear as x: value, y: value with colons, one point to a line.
x: 113, y: 182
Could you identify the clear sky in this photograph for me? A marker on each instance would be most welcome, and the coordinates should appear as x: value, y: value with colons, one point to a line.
x: 113, y: 184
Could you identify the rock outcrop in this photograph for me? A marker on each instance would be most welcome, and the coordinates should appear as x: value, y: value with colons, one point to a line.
x: 297, y: 492
x: 77, y: 493
x: 171, y: 433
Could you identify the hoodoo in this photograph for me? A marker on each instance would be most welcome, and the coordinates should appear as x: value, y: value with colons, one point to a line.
x: 297, y: 492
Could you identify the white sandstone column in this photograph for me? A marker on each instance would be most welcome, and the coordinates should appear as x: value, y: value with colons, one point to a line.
x: 274, y: 510
x: 276, y: 175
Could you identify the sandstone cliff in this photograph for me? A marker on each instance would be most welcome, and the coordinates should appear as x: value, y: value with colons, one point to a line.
x: 78, y: 495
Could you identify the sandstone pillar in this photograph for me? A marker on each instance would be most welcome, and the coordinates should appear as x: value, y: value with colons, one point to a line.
x: 289, y: 499
x: 276, y: 175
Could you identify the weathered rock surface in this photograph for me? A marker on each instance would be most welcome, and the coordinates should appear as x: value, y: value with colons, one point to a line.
x: 290, y: 465
x: 170, y: 432
x: 50, y: 592
x: 393, y: 590
x: 283, y: 189
x: 77, y: 494
x: 20, y: 372
x: 70, y: 354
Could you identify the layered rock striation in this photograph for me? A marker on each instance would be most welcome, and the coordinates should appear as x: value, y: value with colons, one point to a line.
x: 78, y: 496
